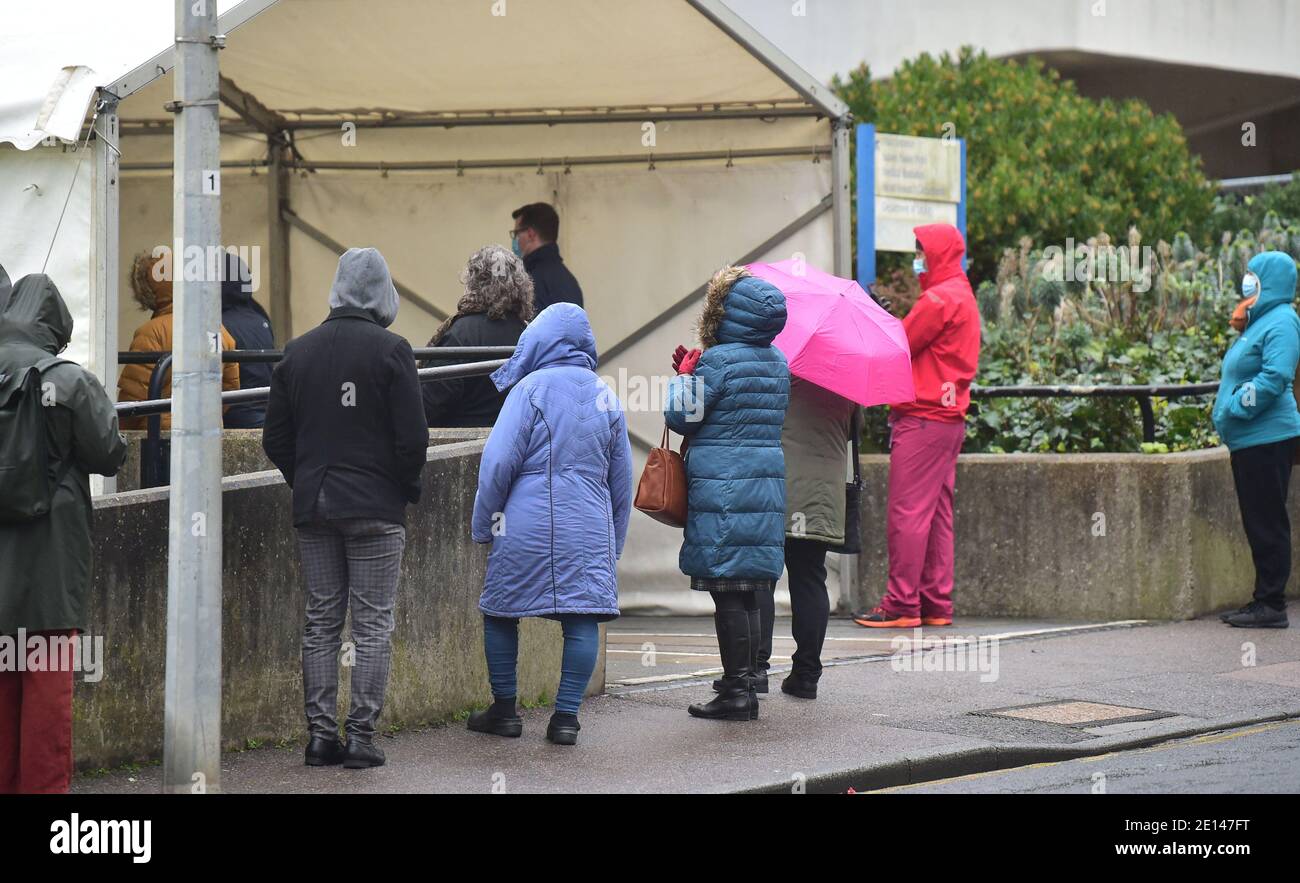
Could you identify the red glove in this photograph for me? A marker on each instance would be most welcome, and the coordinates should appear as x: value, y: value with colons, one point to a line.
x: 686, y: 365
x: 677, y: 356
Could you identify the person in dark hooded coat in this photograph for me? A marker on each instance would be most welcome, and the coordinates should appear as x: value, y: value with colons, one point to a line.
x: 345, y: 427
x: 45, y: 564
x: 250, y: 326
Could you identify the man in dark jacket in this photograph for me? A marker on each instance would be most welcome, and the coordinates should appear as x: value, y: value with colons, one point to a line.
x: 537, y: 227
x: 345, y: 426
x: 45, y: 564
x: 250, y: 326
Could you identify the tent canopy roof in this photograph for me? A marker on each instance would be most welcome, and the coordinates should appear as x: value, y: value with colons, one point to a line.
x: 343, y: 58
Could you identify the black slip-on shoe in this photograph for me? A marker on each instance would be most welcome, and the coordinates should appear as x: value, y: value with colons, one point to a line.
x: 563, y: 729
x: 798, y: 685
x: 1259, y: 616
x: 323, y: 751
x: 362, y: 755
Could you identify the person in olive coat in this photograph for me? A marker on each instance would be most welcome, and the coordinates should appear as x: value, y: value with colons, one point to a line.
x: 45, y: 564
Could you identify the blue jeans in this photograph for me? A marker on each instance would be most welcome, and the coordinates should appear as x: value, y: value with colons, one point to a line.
x: 581, y: 645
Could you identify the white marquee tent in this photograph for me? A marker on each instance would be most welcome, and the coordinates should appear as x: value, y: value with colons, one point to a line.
x: 670, y: 135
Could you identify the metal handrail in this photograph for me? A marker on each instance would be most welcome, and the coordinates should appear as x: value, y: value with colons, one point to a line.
x: 1142, y: 392
x: 262, y: 393
x: 154, y: 460
x: 149, y: 357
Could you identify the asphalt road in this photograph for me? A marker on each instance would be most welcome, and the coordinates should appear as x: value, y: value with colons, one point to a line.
x: 1263, y: 759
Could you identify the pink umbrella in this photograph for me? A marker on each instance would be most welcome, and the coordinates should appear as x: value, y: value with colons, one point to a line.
x: 837, y: 337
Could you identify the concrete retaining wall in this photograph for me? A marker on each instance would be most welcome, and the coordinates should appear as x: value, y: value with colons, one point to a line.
x: 1084, y: 536
x: 438, y: 666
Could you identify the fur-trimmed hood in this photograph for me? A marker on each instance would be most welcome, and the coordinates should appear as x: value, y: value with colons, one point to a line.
x: 740, y: 308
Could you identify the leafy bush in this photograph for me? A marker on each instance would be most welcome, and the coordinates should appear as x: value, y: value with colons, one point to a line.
x: 1043, y: 161
x: 1166, y: 324
x: 1236, y: 211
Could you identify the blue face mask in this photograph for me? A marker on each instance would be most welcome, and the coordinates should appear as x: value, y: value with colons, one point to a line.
x: 514, y: 246
x: 918, y: 266
x: 1249, y: 285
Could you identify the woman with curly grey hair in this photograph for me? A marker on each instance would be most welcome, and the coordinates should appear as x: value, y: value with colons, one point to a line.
x: 496, y: 305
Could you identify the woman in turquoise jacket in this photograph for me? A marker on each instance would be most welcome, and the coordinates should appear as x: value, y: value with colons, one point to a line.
x: 1255, y: 415
x: 730, y: 399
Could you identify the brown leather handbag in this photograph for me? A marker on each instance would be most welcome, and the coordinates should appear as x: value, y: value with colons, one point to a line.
x: 661, y: 493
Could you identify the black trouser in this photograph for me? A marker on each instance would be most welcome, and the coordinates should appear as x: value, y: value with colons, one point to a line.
x: 735, y: 600
x: 1262, y: 474
x: 810, y: 608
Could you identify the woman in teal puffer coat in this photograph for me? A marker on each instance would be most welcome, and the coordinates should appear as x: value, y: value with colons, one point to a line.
x: 1255, y: 415
x: 730, y: 398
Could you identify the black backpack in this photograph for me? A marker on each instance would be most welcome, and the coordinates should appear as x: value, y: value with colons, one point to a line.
x: 26, y: 486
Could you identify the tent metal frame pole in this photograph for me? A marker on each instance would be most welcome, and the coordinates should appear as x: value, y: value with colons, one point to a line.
x: 314, y: 233
x: 814, y: 153
x: 750, y: 256
x: 104, y: 260
x: 794, y: 76
x: 842, y: 197
x: 192, y: 704
x: 453, y: 119
x: 277, y: 197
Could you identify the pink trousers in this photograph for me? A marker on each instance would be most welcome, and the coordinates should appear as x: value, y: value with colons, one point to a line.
x: 922, y: 472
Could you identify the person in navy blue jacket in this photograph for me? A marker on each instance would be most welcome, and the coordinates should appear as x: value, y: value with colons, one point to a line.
x: 554, y: 497
x: 730, y: 399
x: 250, y: 326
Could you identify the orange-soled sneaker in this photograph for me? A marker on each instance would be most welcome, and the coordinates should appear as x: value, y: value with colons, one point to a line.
x: 936, y: 620
x: 879, y: 618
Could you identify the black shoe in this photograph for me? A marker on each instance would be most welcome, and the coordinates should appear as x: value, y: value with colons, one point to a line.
x: 362, y: 755
x: 760, y: 683
x: 1227, y: 614
x: 323, y: 751
x: 798, y: 685
x: 499, y: 719
x: 737, y: 699
x: 563, y: 729
x: 1258, y: 616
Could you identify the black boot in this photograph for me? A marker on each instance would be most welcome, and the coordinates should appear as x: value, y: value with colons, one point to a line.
x: 736, y: 699
x: 499, y: 719
x: 362, y: 755
x: 563, y: 728
x: 760, y: 682
x: 324, y: 751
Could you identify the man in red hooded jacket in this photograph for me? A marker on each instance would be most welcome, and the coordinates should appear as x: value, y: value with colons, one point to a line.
x: 943, y: 331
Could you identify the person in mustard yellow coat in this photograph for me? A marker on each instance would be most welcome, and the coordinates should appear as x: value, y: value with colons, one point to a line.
x: 155, y: 295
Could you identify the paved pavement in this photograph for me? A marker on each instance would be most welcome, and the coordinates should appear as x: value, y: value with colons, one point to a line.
x: 886, y: 715
x: 1263, y: 759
